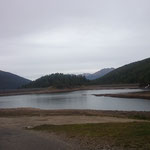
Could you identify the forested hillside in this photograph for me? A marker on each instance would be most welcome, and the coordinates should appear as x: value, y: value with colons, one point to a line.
x: 137, y: 72
x: 11, y: 81
x: 58, y: 80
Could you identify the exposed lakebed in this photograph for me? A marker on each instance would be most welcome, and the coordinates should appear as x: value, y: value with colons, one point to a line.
x: 77, y: 100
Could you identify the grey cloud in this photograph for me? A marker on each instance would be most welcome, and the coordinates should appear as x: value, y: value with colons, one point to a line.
x: 38, y: 37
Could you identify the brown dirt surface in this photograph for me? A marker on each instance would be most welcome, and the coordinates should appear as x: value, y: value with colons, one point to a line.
x: 14, y: 122
x: 19, y: 112
x: 140, y: 95
x: 54, y: 90
x: 22, y: 122
x: 18, y: 139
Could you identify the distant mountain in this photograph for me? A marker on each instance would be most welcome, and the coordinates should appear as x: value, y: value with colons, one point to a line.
x: 11, y: 81
x: 98, y: 74
x: 58, y: 80
x: 137, y: 72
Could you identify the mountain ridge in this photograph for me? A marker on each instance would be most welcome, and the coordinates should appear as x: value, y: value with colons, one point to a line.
x: 136, y: 72
x: 98, y: 74
x: 11, y: 81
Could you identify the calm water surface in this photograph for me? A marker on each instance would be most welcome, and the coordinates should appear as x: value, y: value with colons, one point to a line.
x: 76, y: 100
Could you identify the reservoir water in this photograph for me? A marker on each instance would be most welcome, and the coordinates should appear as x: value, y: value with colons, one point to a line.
x: 77, y: 100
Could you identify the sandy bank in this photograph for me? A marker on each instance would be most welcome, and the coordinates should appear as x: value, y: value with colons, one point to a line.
x: 24, y: 117
x: 140, y: 95
x: 30, y: 112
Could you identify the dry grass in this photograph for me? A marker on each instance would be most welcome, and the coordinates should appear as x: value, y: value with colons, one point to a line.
x: 117, y: 136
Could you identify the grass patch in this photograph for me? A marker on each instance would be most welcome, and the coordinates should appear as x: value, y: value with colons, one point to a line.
x: 140, y: 117
x: 134, y: 135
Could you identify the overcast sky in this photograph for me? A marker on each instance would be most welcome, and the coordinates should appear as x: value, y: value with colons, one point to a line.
x: 39, y: 37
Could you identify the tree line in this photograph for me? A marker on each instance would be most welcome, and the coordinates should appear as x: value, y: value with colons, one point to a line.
x: 58, y: 80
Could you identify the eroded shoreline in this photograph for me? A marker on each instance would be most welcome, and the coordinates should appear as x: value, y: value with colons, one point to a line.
x: 54, y: 90
x: 139, y: 95
x: 29, y: 112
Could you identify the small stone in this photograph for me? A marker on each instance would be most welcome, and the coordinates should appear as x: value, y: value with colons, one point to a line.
x: 29, y: 127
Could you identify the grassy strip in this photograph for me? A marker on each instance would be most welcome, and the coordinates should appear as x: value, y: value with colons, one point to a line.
x: 134, y: 135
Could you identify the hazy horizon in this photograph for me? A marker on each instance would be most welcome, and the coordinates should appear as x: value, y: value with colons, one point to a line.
x: 39, y: 37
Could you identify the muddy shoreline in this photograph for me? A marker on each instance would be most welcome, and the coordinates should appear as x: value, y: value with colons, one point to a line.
x: 139, y: 95
x: 29, y: 112
x: 54, y: 90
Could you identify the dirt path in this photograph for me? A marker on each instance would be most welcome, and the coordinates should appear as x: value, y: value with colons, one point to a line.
x: 17, y: 139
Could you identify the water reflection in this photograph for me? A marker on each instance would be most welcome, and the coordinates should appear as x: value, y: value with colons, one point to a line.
x: 76, y: 100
